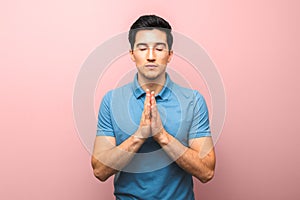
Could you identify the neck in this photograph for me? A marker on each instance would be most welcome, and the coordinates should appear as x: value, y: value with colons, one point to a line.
x: 153, y: 85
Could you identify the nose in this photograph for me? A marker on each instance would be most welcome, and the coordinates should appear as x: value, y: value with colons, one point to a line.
x: 151, y: 55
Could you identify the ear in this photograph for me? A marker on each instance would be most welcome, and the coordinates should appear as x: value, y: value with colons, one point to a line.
x: 132, y: 55
x: 170, y: 55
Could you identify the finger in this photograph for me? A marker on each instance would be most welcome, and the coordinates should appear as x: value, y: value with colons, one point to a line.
x: 153, y: 108
x: 147, y: 99
x: 152, y: 99
x: 147, y: 111
x: 147, y: 105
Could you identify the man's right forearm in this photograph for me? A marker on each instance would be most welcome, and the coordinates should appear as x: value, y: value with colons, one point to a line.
x: 107, y: 163
x: 108, y: 158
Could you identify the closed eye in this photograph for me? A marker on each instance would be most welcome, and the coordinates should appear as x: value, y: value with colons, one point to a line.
x: 160, y: 47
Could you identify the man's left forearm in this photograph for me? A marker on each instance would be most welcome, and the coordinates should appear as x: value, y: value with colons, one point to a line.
x: 188, y: 158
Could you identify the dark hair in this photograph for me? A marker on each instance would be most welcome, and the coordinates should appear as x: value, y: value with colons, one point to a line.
x: 150, y: 22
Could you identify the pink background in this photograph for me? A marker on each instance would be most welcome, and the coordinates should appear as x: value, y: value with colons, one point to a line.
x: 255, y: 45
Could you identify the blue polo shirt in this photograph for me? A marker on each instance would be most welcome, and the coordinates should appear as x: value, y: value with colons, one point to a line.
x: 151, y: 174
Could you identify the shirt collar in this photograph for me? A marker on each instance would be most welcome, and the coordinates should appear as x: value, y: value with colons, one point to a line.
x: 163, y: 94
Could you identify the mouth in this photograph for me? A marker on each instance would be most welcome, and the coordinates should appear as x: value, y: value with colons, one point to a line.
x: 151, y: 66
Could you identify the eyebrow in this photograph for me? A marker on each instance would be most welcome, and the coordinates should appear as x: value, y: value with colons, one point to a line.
x: 156, y: 44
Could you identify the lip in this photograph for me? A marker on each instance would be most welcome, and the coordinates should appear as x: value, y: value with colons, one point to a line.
x: 151, y: 66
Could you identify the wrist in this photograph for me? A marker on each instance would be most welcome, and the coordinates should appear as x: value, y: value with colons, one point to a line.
x: 137, y: 137
x: 162, y: 137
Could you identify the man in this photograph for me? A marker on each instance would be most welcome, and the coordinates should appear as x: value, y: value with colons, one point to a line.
x: 152, y: 133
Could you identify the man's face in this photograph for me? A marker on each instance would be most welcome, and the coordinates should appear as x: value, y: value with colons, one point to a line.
x: 151, y: 54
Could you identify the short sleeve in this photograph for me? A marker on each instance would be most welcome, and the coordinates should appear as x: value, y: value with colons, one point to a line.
x: 104, y: 125
x: 200, y: 124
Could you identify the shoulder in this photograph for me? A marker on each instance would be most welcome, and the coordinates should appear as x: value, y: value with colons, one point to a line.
x: 187, y: 93
x: 119, y: 91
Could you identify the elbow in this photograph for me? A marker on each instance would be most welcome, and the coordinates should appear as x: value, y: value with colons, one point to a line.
x: 100, y: 175
x: 207, y: 176
x: 98, y: 171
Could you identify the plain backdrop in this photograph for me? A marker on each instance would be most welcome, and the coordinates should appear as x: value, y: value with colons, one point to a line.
x: 254, y: 44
